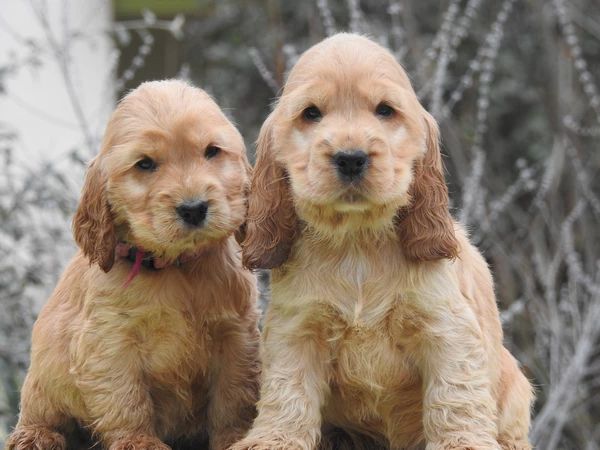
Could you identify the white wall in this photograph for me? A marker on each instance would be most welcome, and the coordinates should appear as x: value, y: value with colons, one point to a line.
x: 40, y: 103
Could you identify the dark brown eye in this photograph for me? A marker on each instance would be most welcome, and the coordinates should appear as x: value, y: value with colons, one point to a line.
x: 146, y: 164
x: 312, y: 114
x: 384, y: 110
x: 211, y: 151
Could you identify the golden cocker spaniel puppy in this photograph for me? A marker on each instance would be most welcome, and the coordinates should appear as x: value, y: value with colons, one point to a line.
x: 151, y: 334
x: 383, y: 320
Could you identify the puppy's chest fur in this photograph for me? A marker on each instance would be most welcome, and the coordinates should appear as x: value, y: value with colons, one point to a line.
x: 167, y: 331
x: 373, y: 381
x: 371, y: 325
x: 365, y: 308
x: 362, y: 292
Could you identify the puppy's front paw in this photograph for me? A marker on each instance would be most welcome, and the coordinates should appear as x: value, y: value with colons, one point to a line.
x: 267, y: 444
x: 459, y: 444
x: 514, y: 445
x: 139, y: 442
x: 35, y: 438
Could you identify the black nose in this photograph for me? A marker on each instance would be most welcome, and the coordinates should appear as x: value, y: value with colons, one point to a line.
x: 192, y: 213
x: 351, y: 165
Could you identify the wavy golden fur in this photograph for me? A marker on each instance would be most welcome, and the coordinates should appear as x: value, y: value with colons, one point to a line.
x: 383, y: 322
x: 173, y: 356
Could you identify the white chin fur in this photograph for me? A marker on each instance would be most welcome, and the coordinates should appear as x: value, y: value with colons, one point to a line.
x: 348, y: 206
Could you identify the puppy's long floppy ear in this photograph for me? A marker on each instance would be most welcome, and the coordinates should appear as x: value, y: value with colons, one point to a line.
x: 93, y: 225
x: 240, y: 233
x: 425, y: 227
x: 272, y: 222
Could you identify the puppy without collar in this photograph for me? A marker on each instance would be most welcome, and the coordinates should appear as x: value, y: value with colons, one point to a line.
x: 383, y: 320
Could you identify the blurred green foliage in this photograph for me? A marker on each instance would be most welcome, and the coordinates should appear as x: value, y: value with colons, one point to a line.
x: 162, y: 8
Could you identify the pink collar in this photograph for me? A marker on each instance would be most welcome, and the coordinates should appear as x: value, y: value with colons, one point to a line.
x: 139, y: 257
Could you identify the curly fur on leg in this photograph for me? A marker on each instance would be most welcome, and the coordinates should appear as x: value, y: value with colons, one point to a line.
x: 460, y: 444
x: 139, y: 442
x: 273, y: 442
x: 514, y: 445
x: 35, y: 438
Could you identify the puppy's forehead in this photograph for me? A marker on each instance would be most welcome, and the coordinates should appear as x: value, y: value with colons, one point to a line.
x: 165, y: 101
x: 172, y: 110
x: 346, y: 58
